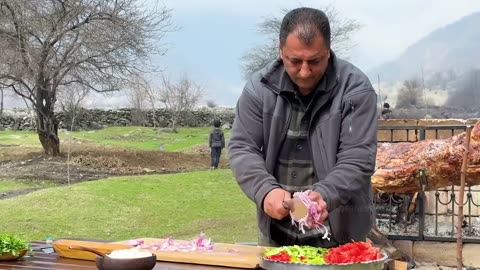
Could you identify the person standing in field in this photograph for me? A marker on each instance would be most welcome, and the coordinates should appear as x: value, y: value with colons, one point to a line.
x: 216, y: 143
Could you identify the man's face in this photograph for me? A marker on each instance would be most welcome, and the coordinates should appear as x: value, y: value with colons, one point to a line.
x: 305, y: 64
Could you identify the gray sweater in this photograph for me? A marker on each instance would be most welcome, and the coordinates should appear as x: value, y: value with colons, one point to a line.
x: 342, y: 139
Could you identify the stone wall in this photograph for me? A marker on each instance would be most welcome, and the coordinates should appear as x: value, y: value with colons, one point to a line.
x: 440, y: 253
x: 96, y: 119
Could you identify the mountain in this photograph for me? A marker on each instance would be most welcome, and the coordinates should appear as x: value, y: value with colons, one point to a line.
x: 445, y: 54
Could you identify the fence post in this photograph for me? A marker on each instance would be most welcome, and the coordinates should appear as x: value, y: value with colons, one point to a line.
x: 422, y: 133
x: 421, y: 204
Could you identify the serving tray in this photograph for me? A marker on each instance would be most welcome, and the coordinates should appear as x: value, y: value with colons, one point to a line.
x: 275, y: 265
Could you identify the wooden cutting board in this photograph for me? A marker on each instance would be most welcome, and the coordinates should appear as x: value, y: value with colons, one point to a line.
x: 231, y: 255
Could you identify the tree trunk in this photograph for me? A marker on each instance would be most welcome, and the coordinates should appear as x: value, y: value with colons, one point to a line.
x: 47, y: 129
x: 1, y: 101
x: 154, y: 117
x: 47, y: 124
x: 174, y: 121
x: 50, y: 145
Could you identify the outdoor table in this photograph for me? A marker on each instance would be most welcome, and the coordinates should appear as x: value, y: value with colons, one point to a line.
x: 41, y: 260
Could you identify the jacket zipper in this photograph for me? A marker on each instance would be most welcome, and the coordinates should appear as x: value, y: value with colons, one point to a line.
x: 352, y: 108
x: 289, y: 117
x: 358, y: 92
x: 322, y: 152
x: 284, y: 133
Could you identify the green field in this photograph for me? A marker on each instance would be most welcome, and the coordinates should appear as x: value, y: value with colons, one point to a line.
x: 19, y: 138
x: 142, y: 138
x: 147, y: 138
x: 179, y: 205
x: 8, y: 185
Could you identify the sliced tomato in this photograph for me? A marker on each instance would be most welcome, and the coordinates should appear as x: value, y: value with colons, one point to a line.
x: 352, y: 253
x: 281, y: 256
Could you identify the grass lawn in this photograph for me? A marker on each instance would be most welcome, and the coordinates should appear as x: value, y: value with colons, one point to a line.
x: 146, y: 138
x: 143, y: 138
x: 19, y: 138
x: 180, y: 205
x: 7, y: 185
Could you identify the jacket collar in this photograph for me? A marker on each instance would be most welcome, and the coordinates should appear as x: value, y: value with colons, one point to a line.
x: 278, y: 80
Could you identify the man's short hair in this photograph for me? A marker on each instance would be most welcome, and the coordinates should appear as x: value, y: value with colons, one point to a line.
x: 217, y: 123
x: 307, y: 23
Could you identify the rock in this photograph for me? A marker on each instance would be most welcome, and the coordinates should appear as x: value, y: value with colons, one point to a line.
x: 97, y: 119
x: 428, y: 253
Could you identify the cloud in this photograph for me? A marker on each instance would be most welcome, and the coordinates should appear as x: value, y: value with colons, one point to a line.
x: 11, y: 101
x: 222, y: 92
x: 112, y: 100
x: 216, y: 33
x: 389, y: 27
x: 246, y: 8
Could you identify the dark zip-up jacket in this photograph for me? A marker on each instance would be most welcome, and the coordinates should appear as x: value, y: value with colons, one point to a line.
x: 216, y: 138
x: 342, y: 137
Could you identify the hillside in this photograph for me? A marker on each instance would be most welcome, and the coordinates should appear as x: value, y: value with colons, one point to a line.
x: 443, y: 55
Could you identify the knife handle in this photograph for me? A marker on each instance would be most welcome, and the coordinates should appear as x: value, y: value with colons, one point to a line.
x: 285, y: 205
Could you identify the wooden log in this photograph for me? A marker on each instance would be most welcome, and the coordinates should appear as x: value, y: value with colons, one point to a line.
x: 398, y: 165
x: 397, y: 265
x: 379, y: 239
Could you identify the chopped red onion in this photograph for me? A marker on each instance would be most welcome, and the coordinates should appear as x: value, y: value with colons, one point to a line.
x: 200, y: 243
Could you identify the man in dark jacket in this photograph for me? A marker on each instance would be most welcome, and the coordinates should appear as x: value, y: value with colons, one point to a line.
x: 217, y: 143
x: 307, y: 121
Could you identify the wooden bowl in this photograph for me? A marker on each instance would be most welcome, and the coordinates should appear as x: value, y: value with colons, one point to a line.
x: 108, y: 263
x: 10, y: 257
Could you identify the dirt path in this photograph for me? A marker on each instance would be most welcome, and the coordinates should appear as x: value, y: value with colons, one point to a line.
x: 90, y: 163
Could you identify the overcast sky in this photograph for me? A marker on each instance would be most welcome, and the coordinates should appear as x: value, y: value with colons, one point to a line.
x: 214, y: 35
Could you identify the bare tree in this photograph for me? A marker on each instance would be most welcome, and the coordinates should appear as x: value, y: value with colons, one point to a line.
x: 179, y: 97
x: 150, y: 91
x: 51, y: 44
x: 410, y: 95
x: 137, y: 97
x: 143, y: 92
x: 258, y: 57
x: 70, y: 100
x: 467, y: 92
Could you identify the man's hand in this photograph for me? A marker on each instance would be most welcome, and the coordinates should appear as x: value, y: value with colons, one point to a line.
x: 321, y: 205
x: 272, y: 204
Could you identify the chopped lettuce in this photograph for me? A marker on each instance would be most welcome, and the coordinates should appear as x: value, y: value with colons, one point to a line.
x: 12, y: 244
x: 299, y: 254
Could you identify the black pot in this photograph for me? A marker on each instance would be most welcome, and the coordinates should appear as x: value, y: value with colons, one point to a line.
x: 104, y: 262
x: 143, y: 263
